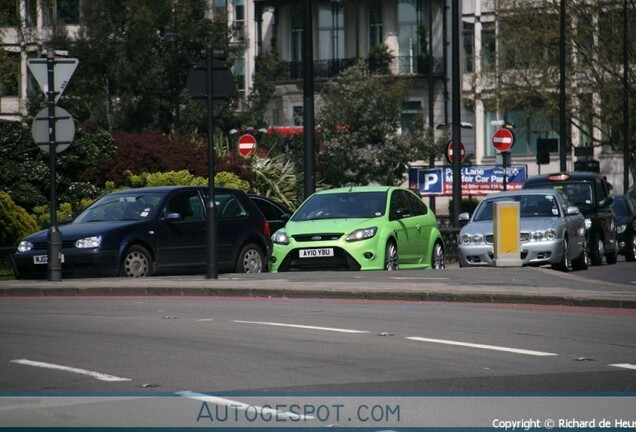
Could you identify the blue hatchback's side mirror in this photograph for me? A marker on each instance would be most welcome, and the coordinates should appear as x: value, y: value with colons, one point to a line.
x: 173, y: 217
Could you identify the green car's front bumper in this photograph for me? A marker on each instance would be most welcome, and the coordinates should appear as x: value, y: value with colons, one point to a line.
x: 340, y: 254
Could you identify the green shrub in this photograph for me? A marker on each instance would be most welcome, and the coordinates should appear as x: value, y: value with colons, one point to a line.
x: 15, y: 222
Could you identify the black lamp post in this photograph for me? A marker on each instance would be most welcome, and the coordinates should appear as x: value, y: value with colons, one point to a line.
x: 176, y: 38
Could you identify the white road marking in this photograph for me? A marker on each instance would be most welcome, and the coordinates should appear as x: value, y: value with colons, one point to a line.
x: 417, y: 278
x: 242, y: 406
x: 205, y: 319
x: 96, y: 375
x: 624, y: 366
x: 489, y: 347
x: 301, y: 326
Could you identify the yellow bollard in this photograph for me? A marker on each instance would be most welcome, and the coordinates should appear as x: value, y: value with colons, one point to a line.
x: 506, y: 230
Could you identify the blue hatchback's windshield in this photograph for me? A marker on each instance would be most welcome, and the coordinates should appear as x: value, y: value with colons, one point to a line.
x: 120, y: 207
x: 342, y: 205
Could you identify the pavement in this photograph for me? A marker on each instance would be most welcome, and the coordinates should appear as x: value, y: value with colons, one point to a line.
x: 527, y: 285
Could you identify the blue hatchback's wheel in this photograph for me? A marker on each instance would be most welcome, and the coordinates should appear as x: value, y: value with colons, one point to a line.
x: 137, y: 262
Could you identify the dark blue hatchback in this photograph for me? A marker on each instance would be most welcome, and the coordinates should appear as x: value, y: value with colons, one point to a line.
x: 156, y: 230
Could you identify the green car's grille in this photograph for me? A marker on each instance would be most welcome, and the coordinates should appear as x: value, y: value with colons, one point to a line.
x: 317, y: 237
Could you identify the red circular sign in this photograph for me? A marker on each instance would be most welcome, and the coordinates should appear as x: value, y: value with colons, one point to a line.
x: 449, y: 152
x: 247, y: 144
x: 503, y: 139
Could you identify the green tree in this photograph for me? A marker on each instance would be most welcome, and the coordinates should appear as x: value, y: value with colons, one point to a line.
x: 528, y: 75
x: 127, y: 76
x: 15, y: 222
x: 24, y: 168
x: 360, y: 118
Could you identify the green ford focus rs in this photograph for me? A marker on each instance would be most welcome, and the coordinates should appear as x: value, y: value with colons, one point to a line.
x: 359, y: 228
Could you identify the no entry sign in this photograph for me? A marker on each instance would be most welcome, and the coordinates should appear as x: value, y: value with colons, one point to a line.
x: 503, y: 139
x: 247, y: 144
x: 449, y: 152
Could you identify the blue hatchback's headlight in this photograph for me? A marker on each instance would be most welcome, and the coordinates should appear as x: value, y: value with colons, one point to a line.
x: 362, y: 234
x: 25, y: 246
x: 89, y: 242
x: 280, y: 237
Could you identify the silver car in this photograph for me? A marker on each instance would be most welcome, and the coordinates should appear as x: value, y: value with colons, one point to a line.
x: 552, y: 231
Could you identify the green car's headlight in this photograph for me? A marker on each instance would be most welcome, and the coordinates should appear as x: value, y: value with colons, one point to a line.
x: 362, y: 234
x: 280, y: 237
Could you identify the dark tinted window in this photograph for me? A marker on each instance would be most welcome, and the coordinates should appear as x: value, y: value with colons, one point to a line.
x: 270, y: 211
x: 398, y: 201
x: 187, y: 203
x: 417, y: 205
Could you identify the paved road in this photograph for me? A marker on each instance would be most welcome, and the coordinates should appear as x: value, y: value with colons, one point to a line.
x: 508, y: 285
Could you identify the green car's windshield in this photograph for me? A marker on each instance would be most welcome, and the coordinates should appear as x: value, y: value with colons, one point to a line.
x: 342, y: 205
x: 120, y: 207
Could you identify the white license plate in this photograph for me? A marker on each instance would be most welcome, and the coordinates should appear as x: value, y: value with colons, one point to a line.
x: 316, y: 253
x: 43, y: 259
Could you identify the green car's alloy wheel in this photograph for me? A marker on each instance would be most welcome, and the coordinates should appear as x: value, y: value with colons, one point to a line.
x: 391, y: 260
x: 437, y: 259
x: 137, y: 262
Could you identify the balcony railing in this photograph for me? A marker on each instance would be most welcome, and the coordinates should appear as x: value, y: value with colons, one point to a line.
x: 324, y: 69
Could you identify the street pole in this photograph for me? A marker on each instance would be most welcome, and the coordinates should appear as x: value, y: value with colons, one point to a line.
x: 625, y: 102
x: 562, y: 104
x: 54, y: 235
x: 456, y: 126
x: 308, y: 102
x: 211, y: 222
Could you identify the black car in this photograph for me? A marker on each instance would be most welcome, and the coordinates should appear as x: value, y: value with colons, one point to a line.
x: 625, y: 210
x: 276, y: 213
x: 146, y: 231
x: 590, y: 193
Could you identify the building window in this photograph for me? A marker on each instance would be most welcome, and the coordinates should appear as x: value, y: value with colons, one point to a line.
x: 10, y: 75
x: 31, y: 16
x: 296, y: 33
x: 586, y: 113
x: 409, y: 17
x: 330, y: 32
x: 410, y: 110
x: 488, y: 46
x: 68, y: 11
x: 376, y: 36
x: 239, y: 19
x: 8, y: 13
x: 239, y: 73
x: 529, y: 127
x: 469, y: 51
x: 220, y: 6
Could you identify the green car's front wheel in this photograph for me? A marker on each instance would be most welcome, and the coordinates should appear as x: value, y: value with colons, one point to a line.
x: 391, y: 259
x: 437, y: 257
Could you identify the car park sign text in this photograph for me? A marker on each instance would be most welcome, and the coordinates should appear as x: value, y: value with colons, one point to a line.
x: 476, y: 179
